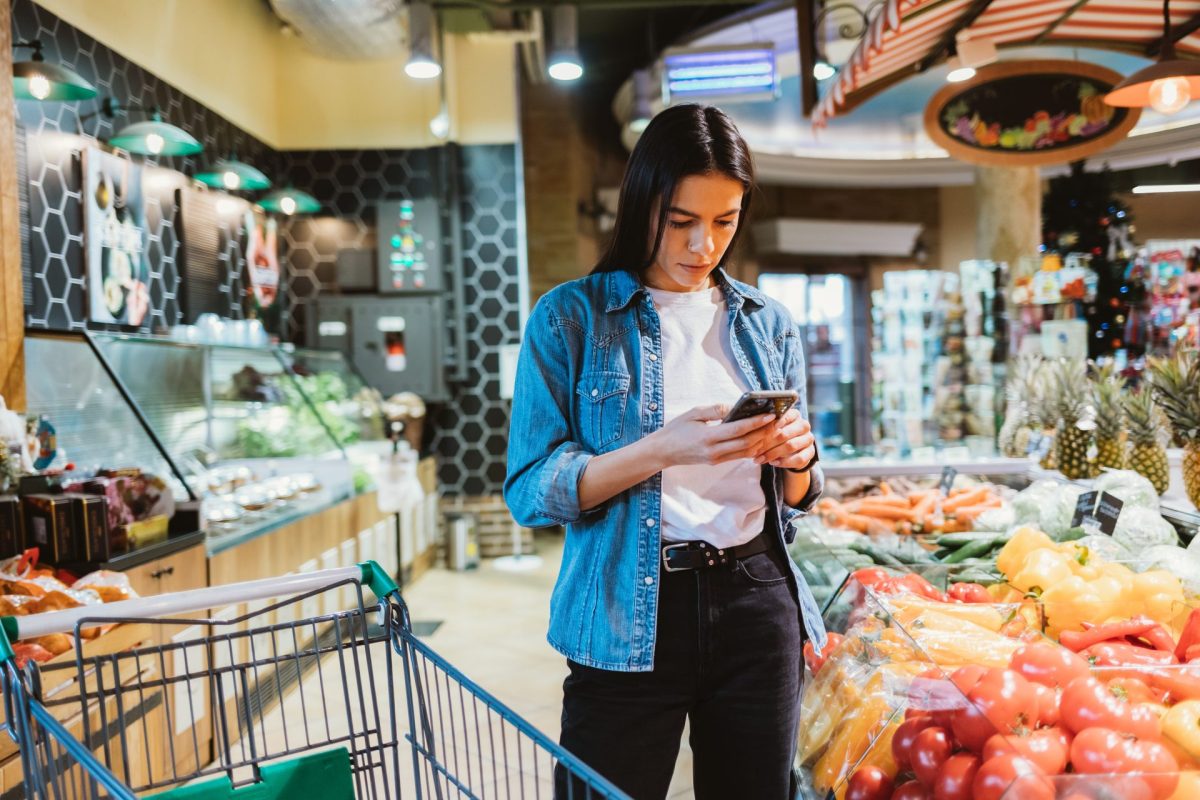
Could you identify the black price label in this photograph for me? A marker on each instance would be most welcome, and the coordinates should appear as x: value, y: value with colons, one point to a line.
x: 1097, y: 511
x: 1107, y: 512
x: 1085, y: 507
x: 948, y: 476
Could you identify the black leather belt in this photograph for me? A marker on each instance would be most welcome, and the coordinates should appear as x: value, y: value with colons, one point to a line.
x: 680, y: 556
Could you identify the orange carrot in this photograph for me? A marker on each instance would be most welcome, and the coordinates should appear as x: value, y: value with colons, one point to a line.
x: 884, y: 511
x: 971, y: 498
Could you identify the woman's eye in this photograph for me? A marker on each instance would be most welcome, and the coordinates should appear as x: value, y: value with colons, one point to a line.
x: 726, y: 223
x: 680, y: 225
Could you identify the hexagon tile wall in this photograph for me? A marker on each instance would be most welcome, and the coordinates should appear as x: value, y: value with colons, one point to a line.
x: 470, y: 431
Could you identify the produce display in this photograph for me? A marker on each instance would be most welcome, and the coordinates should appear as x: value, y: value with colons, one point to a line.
x: 1176, y: 385
x: 27, y: 587
x: 1108, y: 390
x: 1025, y: 657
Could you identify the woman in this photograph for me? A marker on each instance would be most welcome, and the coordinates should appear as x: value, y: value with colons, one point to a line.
x: 676, y: 599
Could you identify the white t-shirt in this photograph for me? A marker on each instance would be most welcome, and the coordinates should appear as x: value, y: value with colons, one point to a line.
x: 721, y: 504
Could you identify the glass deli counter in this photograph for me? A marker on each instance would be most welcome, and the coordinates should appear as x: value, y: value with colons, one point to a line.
x: 242, y: 430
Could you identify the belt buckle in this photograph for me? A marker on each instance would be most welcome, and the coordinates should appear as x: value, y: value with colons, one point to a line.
x: 667, y: 564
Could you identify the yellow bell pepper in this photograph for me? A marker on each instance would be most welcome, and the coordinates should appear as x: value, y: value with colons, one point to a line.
x: 1024, y: 541
x: 1042, y: 569
x: 1070, y: 603
x: 1157, y: 594
x: 1181, y: 727
x: 1189, y: 786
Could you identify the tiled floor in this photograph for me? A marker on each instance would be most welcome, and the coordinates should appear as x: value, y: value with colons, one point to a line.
x: 493, y: 630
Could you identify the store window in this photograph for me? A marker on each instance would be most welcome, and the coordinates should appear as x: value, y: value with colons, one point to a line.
x: 822, y: 307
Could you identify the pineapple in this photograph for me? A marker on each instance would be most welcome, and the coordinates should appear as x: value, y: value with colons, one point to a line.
x: 1020, y: 427
x: 1176, y: 385
x: 1043, y: 413
x: 1147, y: 456
x: 1076, y: 434
x: 1110, y: 418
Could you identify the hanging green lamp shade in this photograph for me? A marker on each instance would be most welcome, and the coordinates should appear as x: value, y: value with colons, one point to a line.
x: 289, y: 201
x: 156, y: 138
x: 233, y: 175
x: 38, y: 80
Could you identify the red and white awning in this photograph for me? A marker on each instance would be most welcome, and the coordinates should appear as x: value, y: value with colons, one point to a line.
x: 906, y: 31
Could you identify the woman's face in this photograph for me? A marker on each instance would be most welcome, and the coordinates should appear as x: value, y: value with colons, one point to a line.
x: 701, y: 221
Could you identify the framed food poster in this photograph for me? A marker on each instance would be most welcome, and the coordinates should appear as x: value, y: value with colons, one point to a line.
x: 114, y: 239
x: 263, y: 272
x: 1029, y: 113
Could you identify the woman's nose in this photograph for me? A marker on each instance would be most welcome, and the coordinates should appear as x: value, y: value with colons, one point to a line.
x: 701, y: 241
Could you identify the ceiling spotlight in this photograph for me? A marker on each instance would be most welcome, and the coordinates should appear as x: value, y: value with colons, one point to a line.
x: 564, y: 63
x: 958, y: 71
x: 823, y: 70
x: 422, y: 64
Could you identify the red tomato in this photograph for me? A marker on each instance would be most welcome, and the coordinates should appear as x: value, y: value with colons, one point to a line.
x: 1049, y: 664
x: 969, y: 593
x: 814, y: 661
x: 1047, y: 700
x: 1136, y: 691
x: 1000, y: 774
x: 955, y: 777
x: 1001, y: 702
x: 929, y: 752
x: 1088, y: 703
x: 1100, y: 751
x: 1048, y: 748
x: 869, y: 783
x: 913, y: 790
x: 903, y: 739
x: 872, y: 576
x: 967, y: 678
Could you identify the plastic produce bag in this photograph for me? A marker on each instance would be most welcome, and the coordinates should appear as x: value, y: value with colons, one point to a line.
x: 1128, y: 487
x: 1056, y: 515
x: 1027, y: 505
x: 1106, y: 547
x: 1140, y: 528
x: 997, y: 520
x: 1183, y: 564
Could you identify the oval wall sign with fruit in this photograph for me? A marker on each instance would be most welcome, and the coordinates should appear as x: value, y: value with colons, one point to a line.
x: 1029, y: 113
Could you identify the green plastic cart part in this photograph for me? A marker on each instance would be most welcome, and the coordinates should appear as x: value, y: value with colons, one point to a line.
x: 326, y: 775
x: 8, y: 635
x: 377, y: 578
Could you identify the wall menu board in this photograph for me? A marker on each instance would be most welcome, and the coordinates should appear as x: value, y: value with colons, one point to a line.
x: 1029, y: 113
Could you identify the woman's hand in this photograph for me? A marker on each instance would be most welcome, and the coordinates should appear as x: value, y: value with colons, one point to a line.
x: 692, y: 439
x: 789, y: 443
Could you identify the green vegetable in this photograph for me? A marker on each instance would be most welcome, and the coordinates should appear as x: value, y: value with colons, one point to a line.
x: 972, y: 550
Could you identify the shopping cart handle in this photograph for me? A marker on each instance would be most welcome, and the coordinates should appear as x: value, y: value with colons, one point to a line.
x: 367, y: 573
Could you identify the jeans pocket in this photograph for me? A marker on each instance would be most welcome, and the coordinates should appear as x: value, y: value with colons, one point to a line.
x: 761, y: 570
x: 602, y: 400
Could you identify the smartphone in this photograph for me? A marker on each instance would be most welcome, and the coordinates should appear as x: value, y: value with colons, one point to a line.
x: 751, y: 404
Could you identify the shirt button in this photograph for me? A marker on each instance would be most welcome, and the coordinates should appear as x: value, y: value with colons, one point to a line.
x: 649, y: 580
x: 654, y: 406
x: 595, y: 392
x: 649, y: 523
x: 653, y: 357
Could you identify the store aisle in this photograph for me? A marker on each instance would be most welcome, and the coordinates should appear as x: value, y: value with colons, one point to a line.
x: 493, y: 628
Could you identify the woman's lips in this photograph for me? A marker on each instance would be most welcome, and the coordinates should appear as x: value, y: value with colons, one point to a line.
x: 696, y: 266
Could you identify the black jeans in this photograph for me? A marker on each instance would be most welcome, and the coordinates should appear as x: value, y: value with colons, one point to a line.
x: 727, y: 657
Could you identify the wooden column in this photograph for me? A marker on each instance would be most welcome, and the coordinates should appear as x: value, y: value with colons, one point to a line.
x: 1009, y: 225
x: 12, y: 306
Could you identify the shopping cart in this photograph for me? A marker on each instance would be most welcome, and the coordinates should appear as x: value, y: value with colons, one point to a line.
x: 290, y: 702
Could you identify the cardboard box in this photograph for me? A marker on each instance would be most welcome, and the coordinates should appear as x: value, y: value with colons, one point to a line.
x: 49, y: 527
x: 90, y: 516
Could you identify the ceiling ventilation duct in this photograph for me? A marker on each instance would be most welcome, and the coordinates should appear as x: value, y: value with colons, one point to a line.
x: 348, y: 29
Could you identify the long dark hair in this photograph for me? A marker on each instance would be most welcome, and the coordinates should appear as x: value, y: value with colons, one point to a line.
x: 680, y: 142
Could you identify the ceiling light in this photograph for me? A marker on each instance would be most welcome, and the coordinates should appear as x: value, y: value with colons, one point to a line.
x: 1167, y: 86
x: 439, y: 126
x: 422, y: 64
x: 234, y: 175
x: 958, y: 71
x: 744, y: 73
x: 1166, y: 188
x: 823, y: 70
x: 290, y: 201
x: 974, y: 52
x: 37, y: 80
x: 564, y: 62
x: 151, y: 137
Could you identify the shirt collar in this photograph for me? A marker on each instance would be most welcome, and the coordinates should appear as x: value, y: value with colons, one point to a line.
x: 623, y: 286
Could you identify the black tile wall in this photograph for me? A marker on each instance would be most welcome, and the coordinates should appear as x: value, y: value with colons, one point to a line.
x: 469, y: 431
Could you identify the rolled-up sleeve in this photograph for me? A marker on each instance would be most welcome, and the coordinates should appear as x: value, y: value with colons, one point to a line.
x: 541, y: 487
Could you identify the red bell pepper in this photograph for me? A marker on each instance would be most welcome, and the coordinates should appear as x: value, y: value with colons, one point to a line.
x: 814, y: 661
x: 969, y: 593
x: 1123, y: 654
x: 1190, y: 636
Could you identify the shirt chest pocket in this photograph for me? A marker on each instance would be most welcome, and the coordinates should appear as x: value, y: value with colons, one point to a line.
x: 601, y: 408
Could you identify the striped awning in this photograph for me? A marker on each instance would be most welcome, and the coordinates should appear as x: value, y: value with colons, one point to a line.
x: 905, y: 32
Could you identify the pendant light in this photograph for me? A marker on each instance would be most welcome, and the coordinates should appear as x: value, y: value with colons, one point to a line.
x: 152, y: 137
x: 422, y: 64
x: 37, y: 80
x: 233, y: 175
x: 565, y: 64
x: 1167, y: 86
x: 289, y: 202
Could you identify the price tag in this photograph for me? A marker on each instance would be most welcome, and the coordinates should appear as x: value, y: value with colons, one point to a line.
x: 1097, y: 512
x: 948, y: 476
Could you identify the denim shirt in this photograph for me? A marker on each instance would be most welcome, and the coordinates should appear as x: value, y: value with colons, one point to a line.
x: 589, y: 381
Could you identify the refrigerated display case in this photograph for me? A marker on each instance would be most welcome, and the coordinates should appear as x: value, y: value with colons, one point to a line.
x: 239, y: 426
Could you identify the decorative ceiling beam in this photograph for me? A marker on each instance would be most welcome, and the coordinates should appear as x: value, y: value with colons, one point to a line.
x: 1178, y: 32
x: 806, y: 35
x: 973, y: 12
x: 1066, y: 15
